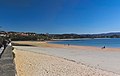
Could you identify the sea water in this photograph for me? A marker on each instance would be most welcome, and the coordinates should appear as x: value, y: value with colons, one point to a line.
x: 108, y: 42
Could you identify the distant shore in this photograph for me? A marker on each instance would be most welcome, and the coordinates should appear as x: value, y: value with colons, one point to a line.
x: 71, y: 39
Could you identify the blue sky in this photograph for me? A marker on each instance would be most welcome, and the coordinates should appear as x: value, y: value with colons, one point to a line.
x: 60, y: 16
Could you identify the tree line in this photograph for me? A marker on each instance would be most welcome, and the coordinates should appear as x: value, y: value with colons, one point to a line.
x: 28, y: 36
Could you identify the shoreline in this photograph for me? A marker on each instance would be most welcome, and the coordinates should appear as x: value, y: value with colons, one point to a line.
x: 115, y: 47
x: 47, y: 44
x: 85, y: 47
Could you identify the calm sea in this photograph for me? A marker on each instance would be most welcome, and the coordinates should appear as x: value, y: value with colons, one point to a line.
x: 113, y: 42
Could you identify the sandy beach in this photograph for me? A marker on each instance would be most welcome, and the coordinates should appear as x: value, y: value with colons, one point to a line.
x: 34, y: 64
x: 59, y: 60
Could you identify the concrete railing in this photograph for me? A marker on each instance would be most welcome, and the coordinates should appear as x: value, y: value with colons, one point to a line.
x: 7, y: 65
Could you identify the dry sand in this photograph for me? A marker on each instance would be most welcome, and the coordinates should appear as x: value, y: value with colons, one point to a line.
x: 34, y: 64
x: 107, y: 59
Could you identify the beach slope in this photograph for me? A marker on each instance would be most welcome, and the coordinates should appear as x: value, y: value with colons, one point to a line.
x: 38, y: 64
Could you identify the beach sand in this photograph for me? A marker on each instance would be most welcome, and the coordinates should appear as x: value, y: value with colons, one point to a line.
x: 38, y: 64
x: 106, y: 59
x: 46, y: 44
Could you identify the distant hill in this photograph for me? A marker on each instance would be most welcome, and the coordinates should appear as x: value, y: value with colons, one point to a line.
x: 112, y: 33
x: 34, y: 36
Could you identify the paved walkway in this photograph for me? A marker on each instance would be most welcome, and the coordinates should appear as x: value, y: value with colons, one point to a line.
x: 7, y: 66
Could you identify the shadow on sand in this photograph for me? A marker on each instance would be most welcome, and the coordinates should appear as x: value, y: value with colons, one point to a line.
x: 16, y: 44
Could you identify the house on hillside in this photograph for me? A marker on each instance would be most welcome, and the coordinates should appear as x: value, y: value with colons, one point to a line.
x: 3, y: 34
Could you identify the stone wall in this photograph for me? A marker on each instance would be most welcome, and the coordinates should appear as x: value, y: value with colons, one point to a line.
x: 7, y: 65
